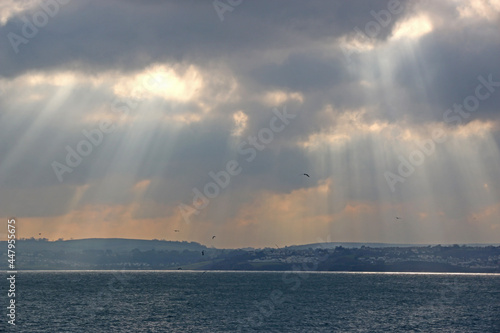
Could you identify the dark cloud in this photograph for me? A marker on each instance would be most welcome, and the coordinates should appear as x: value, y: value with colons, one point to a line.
x: 96, y: 35
x: 303, y: 73
x: 444, y: 70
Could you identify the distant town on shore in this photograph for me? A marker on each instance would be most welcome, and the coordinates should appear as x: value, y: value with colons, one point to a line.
x: 134, y: 254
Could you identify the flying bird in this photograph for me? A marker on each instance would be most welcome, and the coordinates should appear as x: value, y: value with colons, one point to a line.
x: 305, y: 174
x: 213, y: 237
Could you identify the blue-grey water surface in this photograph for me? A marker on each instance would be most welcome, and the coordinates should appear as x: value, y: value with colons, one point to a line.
x: 183, y: 301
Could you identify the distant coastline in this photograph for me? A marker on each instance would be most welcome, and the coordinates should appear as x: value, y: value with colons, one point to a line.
x: 135, y: 254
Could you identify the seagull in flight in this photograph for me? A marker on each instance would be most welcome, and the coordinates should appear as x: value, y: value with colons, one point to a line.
x: 213, y: 237
x: 305, y: 174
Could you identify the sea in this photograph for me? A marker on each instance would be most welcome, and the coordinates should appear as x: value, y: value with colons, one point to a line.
x: 241, y: 301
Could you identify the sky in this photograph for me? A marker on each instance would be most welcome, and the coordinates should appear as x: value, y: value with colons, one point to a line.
x: 133, y: 119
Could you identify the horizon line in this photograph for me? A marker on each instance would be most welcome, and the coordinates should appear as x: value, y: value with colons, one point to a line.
x: 270, y: 246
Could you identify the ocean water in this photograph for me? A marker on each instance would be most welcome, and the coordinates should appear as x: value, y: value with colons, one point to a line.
x: 183, y: 301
